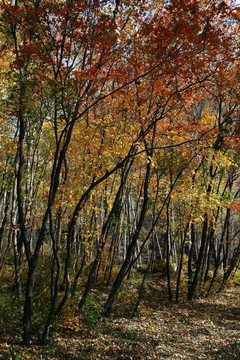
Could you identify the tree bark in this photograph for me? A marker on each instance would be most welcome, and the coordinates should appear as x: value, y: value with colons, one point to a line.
x: 121, y: 274
x: 193, y: 285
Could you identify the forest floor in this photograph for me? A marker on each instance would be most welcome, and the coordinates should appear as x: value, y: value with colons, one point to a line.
x: 207, y: 328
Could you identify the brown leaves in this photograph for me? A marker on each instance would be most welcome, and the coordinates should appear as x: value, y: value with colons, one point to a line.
x: 203, y: 329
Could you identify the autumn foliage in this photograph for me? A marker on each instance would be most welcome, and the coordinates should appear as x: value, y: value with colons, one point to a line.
x: 119, y: 150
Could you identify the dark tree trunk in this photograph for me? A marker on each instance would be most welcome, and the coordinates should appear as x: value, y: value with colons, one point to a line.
x: 105, y: 230
x: 142, y: 286
x: 181, y: 262
x: 121, y: 274
x: 55, y: 275
x: 193, y: 285
x: 168, y: 255
x: 28, y: 305
x: 78, y: 274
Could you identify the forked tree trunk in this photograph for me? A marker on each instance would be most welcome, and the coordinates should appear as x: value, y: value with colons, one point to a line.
x: 122, y: 272
x: 105, y: 231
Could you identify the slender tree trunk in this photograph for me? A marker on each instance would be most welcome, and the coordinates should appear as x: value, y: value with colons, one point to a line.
x: 122, y: 272
x: 218, y: 260
x: 4, y: 218
x: 55, y: 274
x: 210, y: 241
x: 78, y: 274
x: 15, y: 235
x: 105, y: 231
x: 193, y: 285
x: 142, y: 286
x: 181, y: 262
x: 168, y: 255
x: 28, y: 304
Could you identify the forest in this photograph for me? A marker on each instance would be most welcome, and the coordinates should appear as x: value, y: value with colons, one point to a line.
x: 119, y: 163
